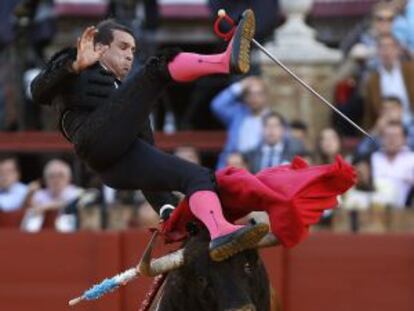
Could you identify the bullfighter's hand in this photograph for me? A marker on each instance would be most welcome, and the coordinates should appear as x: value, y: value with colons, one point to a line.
x: 87, y: 52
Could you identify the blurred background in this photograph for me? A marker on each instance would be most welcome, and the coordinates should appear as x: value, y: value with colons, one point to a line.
x: 61, y: 229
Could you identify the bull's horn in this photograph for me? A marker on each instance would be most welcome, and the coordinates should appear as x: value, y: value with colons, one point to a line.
x: 268, y: 240
x: 148, y: 267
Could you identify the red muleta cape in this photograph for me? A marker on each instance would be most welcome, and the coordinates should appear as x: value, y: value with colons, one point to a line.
x: 294, y: 196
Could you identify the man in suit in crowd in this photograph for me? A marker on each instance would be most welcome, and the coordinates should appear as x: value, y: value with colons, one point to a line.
x: 277, y: 148
x: 240, y: 108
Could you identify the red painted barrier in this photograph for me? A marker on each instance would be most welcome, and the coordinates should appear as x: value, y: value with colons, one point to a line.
x: 327, y: 272
x: 133, y: 244
x: 351, y: 273
x: 43, y: 271
x: 11, y: 219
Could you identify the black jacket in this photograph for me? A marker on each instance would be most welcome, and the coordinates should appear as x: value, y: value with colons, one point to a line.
x: 58, y: 86
x: 291, y: 148
x: 76, y: 96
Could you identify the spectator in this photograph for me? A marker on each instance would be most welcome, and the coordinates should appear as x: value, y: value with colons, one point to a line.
x: 328, y: 146
x: 299, y: 131
x: 348, y: 97
x: 237, y: 160
x: 366, y: 193
x: 394, y: 163
x: 393, y: 78
x: 241, y: 108
x: 12, y: 192
x: 58, y: 194
x: 391, y: 111
x: 368, y: 32
x: 403, y: 25
x: 276, y: 148
x: 188, y: 153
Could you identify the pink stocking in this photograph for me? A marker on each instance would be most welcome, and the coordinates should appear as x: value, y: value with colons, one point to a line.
x: 187, y: 67
x: 206, y: 206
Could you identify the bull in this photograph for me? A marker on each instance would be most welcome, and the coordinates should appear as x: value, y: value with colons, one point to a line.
x: 196, y: 283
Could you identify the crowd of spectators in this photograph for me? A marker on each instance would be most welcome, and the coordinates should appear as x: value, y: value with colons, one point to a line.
x: 374, y: 87
x: 378, y: 92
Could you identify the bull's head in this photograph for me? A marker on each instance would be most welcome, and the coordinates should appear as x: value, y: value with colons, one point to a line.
x: 198, y: 283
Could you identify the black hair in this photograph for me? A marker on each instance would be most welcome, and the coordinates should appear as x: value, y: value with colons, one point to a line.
x: 322, y: 157
x: 105, y: 31
x: 361, y: 159
x: 276, y: 115
x: 299, y: 125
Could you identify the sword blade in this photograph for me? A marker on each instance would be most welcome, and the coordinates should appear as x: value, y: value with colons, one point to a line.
x: 309, y: 88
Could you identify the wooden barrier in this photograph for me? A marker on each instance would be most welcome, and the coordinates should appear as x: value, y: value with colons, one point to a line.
x: 34, y: 142
x: 325, y: 273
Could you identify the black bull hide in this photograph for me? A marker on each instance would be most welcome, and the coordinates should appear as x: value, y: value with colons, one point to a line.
x: 239, y: 283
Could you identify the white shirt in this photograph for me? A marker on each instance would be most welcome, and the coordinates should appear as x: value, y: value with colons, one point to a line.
x: 12, y: 199
x: 44, y: 196
x: 393, y: 85
x: 109, y: 194
x: 383, y: 194
x: 64, y: 223
x: 398, y: 173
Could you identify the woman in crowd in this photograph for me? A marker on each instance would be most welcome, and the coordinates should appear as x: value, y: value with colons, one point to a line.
x: 328, y: 146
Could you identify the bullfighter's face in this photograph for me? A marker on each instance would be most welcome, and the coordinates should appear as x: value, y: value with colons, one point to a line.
x: 120, y: 54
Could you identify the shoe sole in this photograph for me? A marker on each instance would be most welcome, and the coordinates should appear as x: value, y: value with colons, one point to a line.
x: 247, y: 240
x: 244, y: 37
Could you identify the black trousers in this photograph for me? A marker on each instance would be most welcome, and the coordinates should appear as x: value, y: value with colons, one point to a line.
x: 114, y: 141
